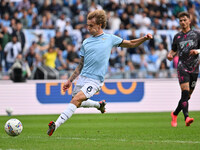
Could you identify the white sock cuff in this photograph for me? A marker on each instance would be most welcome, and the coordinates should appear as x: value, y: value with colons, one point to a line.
x: 72, y: 106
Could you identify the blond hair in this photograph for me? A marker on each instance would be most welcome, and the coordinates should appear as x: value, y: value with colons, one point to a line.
x: 100, y: 16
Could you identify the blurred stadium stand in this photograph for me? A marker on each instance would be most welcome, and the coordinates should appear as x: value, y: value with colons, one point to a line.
x: 50, y: 33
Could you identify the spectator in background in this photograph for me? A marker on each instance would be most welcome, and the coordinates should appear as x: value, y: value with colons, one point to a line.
x: 143, y: 66
x: 55, y: 8
x: 13, y: 24
x: 19, y: 13
x: 40, y: 41
x: 4, y: 7
x: 154, y: 43
x: 67, y: 39
x: 43, y: 48
x: 6, y: 20
x: 47, y: 21
x: 5, y: 37
x: 61, y: 23
x: 68, y: 26
x: 172, y: 22
x: 131, y: 51
x: 156, y: 24
x: 12, y: 49
x: 129, y: 10
x: 52, y: 43
x: 16, y: 16
x: 12, y: 8
x: 142, y: 21
x: 35, y: 24
x: 162, y: 54
x: 44, y: 8
x: 33, y: 57
x: 152, y: 63
x: 143, y: 4
x: 24, y: 19
x: 49, y: 58
x: 194, y: 14
x: 163, y: 8
x: 112, y: 6
x: 163, y: 70
x: 179, y: 8
x: 77, y: 8
x: 59, y: 40
x: 114, y: 21
x: 117, y: 59
x: 80, y: 23
x: 34, y: 9
x: 163, y: 23
x: 145, y: 22
x: 94, y: 6
x: 72, y: 57
x: 152, y: 5
x: 24, y: 4
x: 122, y: 32
x: 20, y: 35
x: 60, y: 63
x: 125, y: 20
x: 30, y: 17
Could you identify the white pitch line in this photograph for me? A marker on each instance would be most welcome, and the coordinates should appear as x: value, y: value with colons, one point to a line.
x: 119, y: 140
x: 170, y: 141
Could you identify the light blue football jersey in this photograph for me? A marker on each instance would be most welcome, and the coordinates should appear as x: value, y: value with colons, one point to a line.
x: 96, y: 52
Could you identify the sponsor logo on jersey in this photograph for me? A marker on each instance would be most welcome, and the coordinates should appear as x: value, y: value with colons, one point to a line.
x: 186, y: 43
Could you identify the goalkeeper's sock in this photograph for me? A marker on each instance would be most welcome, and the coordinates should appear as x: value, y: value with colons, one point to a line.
x: 65, y: 115
x: 90, y: 103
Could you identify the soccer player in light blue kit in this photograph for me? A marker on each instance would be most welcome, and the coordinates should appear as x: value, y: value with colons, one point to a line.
x: 95, y: 53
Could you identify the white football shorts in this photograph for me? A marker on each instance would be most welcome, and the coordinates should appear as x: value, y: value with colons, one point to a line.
x: 88, y: 86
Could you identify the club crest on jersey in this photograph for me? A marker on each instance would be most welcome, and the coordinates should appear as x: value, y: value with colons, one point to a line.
x: 185, y: 36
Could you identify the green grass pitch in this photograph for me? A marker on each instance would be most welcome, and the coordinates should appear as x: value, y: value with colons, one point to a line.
x: 123, y: 131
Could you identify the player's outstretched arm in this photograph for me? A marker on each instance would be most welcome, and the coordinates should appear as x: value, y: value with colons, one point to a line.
x: 136, y: 42
x: 171, y: 55
x: 74, y: 75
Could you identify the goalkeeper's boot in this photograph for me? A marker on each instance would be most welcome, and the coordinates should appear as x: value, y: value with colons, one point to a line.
x: 174, y: 120
x: 52, y: 128
x: 102, y: 106
x: 188, y: 121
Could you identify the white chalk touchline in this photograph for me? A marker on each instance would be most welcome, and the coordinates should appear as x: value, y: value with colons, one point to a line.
x: 120, y: 140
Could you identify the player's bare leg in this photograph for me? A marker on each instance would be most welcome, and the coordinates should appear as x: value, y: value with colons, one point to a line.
x: 68, y: 112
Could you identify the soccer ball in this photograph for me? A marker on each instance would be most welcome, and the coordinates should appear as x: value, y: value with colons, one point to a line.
x: 13, y: 127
